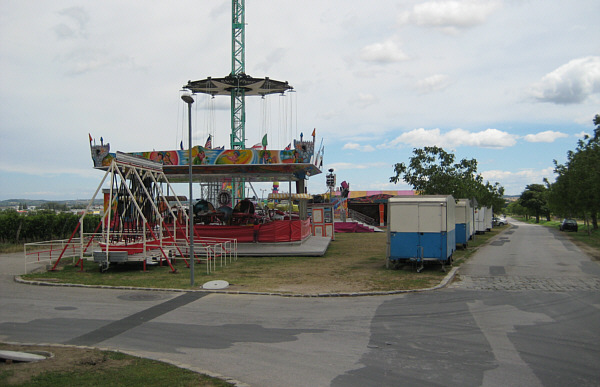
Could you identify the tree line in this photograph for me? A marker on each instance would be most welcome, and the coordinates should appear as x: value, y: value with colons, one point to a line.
x: 433, y: 171
x: 576, y: 191
x: 41, y: 225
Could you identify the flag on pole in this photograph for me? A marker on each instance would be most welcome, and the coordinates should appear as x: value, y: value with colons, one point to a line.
x: 314, y: 132
x: 208, y: 144
x: 90, y: 137
x: 264, y: 141
x: 289, y: 147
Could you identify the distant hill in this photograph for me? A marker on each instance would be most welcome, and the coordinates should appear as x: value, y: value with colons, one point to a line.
x: 12, y: 203
x: 511, y: 198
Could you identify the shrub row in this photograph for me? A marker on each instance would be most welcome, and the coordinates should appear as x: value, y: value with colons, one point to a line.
x: 41, y: 225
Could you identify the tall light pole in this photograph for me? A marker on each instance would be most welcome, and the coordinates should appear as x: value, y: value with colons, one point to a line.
x: 330, y: 181
x: 187, y: 98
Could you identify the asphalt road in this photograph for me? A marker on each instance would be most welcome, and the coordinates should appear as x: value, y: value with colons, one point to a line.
x: 525, y: 311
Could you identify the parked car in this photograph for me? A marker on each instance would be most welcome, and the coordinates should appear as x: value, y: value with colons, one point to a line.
x: 568, y: 225
x: 499, y: 221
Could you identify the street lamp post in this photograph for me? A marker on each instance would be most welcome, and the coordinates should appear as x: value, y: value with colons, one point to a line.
x: 187, y: 98
x: 330, y: 181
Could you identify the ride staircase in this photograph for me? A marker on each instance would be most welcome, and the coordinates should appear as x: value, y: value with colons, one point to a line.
x: 362, y: 219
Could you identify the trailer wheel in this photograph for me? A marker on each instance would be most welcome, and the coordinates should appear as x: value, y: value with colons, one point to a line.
x: 104, y: 266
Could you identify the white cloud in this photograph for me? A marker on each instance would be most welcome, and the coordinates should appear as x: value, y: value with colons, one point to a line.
x: 380, y: 186
x: 358, y: 147
x: 571, y: 83
x: 74, y: 24
x: 489, y: 138
x: 44, y: 170
x: 206, y: 102
x: 433, y: 83
x: 384, y: 52
x: 514, y: 182
x: 450, y: 15
x: 547, y: 136
x: 581, y: 134
x: 365, y: 100
x: 350, y: 166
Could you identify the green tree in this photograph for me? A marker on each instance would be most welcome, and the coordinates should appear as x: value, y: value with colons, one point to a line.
x: 54, y: 206
x: 534, y: 198
x: 433, y: 171
x: 576, y: 190
x: 514, y: 208
x: 41, y: 225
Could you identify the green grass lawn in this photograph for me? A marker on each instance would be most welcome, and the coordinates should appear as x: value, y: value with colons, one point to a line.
x: 352, y: 263
x: 93, y: 367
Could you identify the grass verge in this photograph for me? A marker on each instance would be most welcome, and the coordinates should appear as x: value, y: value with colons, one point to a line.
x: 352, y: 263
x: 93, y: 367
x: 6, y: 248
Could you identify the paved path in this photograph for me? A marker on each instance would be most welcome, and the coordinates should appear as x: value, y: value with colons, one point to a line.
x: 530, y: 257
x: 477, y: 332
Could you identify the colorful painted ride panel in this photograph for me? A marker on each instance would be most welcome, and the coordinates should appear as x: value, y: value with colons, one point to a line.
x: 301, y: 154
x: 254, y: 164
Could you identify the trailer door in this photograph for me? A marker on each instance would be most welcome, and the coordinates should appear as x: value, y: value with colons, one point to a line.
x: 432, y: 224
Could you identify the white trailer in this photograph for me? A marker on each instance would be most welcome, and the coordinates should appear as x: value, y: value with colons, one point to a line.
x: 472, y: 215
x: 488, y: 218
x: 464, y: 218
x: 421, y: 228
x: 480, y: 227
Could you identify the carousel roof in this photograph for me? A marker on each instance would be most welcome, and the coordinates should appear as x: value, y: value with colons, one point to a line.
x: 249, y: 172
x: 224, y: 86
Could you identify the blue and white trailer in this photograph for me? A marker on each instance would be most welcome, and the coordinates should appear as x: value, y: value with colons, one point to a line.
x: 421, y: 229
x: 464, y: 217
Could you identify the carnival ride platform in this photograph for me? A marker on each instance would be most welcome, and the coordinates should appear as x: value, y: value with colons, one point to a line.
x: 313, y: 246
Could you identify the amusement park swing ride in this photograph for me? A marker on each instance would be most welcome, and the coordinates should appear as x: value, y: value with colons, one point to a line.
x: 141, y: 221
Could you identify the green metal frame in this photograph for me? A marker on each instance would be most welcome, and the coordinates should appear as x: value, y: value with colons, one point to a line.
x: 238, y: 68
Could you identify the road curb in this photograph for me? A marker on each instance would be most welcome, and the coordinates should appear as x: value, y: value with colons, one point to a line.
x: 447, y: 279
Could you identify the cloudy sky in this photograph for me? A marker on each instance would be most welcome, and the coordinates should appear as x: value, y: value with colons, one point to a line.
x: 511, y: 83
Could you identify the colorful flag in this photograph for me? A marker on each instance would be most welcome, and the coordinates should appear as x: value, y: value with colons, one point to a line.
x: 289, y: 147
x: 90, y: 137
x: 314, y: 132
x: 208, y: 144
x: 257, y: 146
x: 264, y: 141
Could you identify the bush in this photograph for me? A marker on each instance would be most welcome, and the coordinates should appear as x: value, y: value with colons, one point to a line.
x: 41, y: 225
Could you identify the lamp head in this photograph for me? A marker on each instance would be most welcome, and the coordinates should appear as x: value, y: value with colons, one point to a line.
x: 187, y: 98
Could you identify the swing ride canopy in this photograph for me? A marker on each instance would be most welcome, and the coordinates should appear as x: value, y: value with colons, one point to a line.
x: 250, y: 85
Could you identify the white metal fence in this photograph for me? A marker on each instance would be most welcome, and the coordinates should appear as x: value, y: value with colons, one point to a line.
x: 209, y: 251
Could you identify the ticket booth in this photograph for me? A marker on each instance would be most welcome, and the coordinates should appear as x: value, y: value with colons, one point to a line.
x: 321, y: 215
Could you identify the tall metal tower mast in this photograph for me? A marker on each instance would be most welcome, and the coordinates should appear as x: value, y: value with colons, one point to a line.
x: 237, y: 84
x: 238, y: 69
